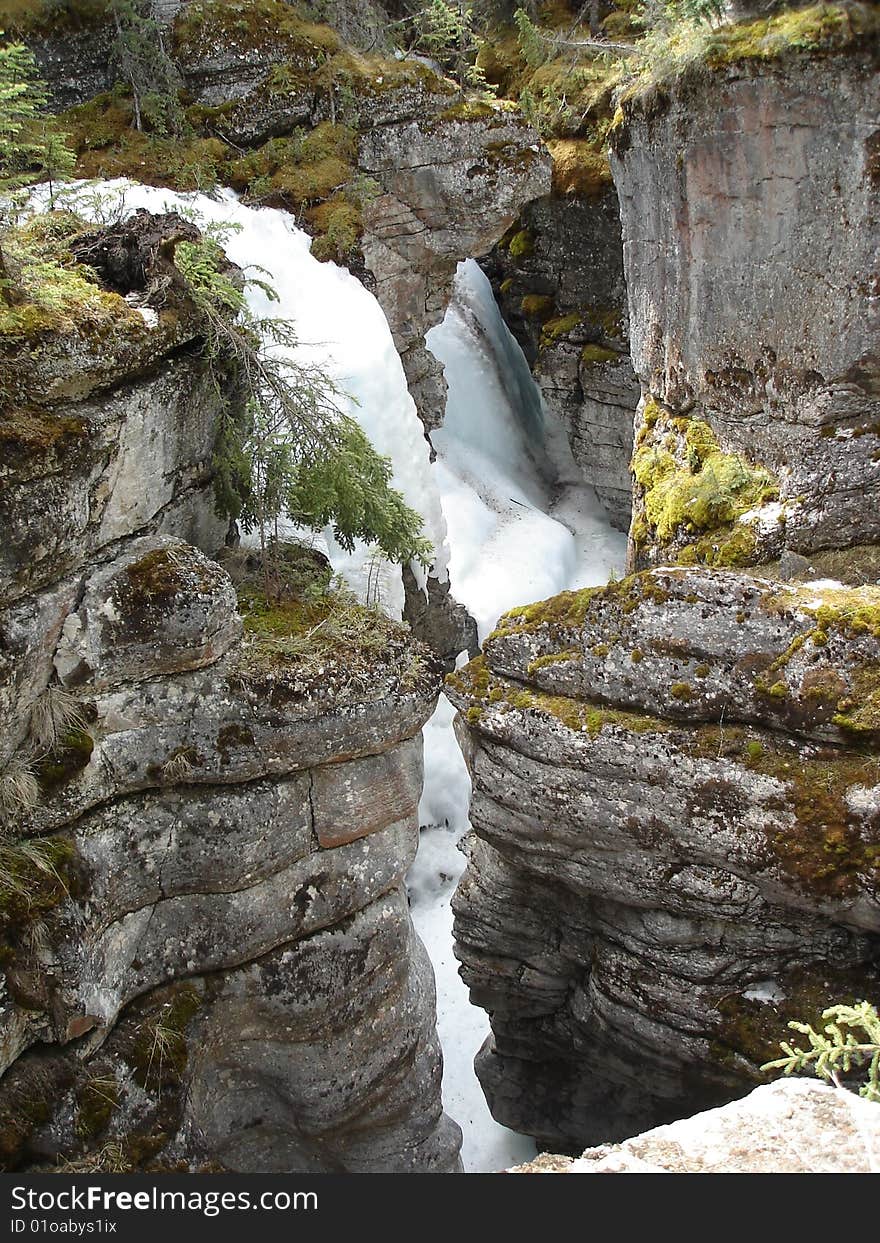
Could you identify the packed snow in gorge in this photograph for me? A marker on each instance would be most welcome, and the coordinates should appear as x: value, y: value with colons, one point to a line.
x: 503, y: 504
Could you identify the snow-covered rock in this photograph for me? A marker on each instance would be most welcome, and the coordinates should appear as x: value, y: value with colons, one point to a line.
x: 792, y: 1126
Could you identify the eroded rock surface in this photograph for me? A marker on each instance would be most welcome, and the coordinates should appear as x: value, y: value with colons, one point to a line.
x: 676, y: 838
x: 207, y: 951
x: 558, y: 278
x: 453, y: 180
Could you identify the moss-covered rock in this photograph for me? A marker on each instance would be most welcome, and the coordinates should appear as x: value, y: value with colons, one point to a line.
x: 694, y: 500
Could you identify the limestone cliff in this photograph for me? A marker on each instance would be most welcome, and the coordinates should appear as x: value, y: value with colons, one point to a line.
x: 392, y: 168
x: 675, y: 805
x: 675, y: 850
x: 208, y: 960
x: 749, y: 202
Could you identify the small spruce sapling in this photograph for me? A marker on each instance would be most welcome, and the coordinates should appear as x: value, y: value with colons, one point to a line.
x: 849, y: 1041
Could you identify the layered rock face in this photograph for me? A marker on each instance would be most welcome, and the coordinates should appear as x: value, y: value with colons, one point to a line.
x: 208, y: 957
x: 749, y: 202
x: 676, y: 842
x: 558, y: 278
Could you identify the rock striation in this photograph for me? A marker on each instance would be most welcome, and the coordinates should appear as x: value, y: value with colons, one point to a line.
x: 676, y: 841
x: 208, y: 960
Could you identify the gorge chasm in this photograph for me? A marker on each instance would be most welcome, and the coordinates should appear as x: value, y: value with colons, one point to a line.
x: 654, y: 400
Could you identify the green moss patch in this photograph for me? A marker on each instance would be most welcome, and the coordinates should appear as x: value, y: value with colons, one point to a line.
x: 320, y: 639
x: 579, y: 168
x: 688, y: 485
x: 752, y: 1030
x: 598, y: 356
x: 476, y: 682
x: 44, y: 17
x: 48, y: 292
x: 537, y: 306
x: 30, y: 437
x: 269, y: 25
x: 567, y: 611
x: 34, y: 878
x: 521, y: 244
x: 159, y: 1052
x: 65, y: 761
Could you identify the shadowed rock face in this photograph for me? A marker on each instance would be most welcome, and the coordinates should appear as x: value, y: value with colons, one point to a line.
x: 749, y: 202
x: 207, y: 951
x: 675, y: 842
x: 558, y: 279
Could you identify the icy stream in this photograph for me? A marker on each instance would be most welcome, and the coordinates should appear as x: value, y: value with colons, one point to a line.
x: 521, y: 526
x: 501, y: 504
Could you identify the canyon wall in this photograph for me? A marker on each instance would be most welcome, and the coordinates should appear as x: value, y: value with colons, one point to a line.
x: 749, y: 201
x: 558, y: 279
x: 676, y: 806
x: 208, y: 960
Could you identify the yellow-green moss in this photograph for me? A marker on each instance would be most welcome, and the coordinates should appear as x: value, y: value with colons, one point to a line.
x: 537, y: 306
x: 559, y: 326
x: 470, y: 110
x: 568, y: 610
x: 551, y: 658
x: 476, y: 682
x: 597, y: 356
x: 580, y: 168
x: 325, y: 641
x: 50, y: 292
x: 697, y: 487
x: 521, y: 245
x: 26, y: 435
x: 818, y: 28
x: 859, y: 712
x: 695, y: 48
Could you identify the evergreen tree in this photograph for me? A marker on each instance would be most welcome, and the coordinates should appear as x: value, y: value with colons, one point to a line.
x: 285, y: 446
x: 444, y: 30
x: 140, y: 56
x: 31, y: 146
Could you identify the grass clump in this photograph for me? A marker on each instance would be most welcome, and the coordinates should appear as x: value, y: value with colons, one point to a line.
x: 33, y: 879
x: 47, y: 291
x: 312, y: 629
